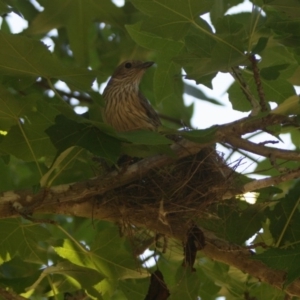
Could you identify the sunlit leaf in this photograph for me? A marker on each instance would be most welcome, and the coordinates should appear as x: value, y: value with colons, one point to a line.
x: 115, y: 265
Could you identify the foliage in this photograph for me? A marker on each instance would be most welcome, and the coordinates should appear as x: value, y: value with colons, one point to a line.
x: 56, y: 67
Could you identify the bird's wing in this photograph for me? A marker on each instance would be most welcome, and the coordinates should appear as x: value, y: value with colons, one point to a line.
x: 149, y: 110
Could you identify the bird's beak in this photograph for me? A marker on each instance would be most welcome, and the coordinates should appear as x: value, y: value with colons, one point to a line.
x: 146, y: 64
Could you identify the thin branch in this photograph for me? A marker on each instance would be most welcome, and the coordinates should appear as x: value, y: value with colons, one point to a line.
x: 80, y: 97
x: 262, y: 150
x: 237, y: 142
x: 265, y: 182
x: 268, y: 142
x: 259, y: 87
x: 236, y: 74
x: 251, y: 124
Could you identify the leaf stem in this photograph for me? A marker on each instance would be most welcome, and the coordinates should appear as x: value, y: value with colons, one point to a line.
x: 253, y: 28
x: 52, y: 287
x: 60, y: 164
x: 287, y: 224
x: 71, y: 238
x: 30, y: 148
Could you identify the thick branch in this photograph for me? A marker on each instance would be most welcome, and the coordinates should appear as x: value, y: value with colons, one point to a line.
x: 25, y: 201
x: 216, y: 248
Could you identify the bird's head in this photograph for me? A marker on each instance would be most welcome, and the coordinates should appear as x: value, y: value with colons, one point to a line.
x: 130, y: 73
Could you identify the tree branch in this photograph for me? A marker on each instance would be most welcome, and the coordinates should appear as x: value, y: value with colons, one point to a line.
x: 12, y: 203
x: 263, y: 104
x: 261, y: 150
x: 216, y: 248
x: 262, y: 183
x: 251, y: 124
x: 265, y: 182
x: 236, y: 74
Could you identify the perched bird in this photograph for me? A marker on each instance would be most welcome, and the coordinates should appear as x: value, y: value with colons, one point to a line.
x: 126, y: 108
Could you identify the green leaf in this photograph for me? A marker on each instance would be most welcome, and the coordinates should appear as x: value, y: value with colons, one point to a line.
x: 274, y: 90
x: 22, y: 239
x: 11, y: 109
x: 197, y: 93
x: 27, y: 139
x: 200, y: 136
x: 188, y: 284
x: 272, y: 73
x: 117, y: 264
x: 282, y: 259
x: 283, y: 215
x: 21, y: 277
x: 142, y: 151
x: 167, y: 83
x: 295, y: 137
x: 264, y: 290
x: 290, y: 106
x: 62, y: 274
x: 135, y: 289
x: 4, y: 8
x: 22, y: 56
x: 145, y: 137
x: 171, y: 19
x: 260, y: 46
x: 78, y: 23
x: 152, y: 41
x: 27, y: 144
x: 24, y: 9
x: 26, y: 172
x: 278, y: 59
x: 61, y: 163
x: 267, y: 194
x: 290, y: 9
x: 67, y: 133
x: 202, y: 55
x: 235, y: 224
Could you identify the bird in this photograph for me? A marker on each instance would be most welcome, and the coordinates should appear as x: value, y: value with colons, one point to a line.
x: 126, y: 108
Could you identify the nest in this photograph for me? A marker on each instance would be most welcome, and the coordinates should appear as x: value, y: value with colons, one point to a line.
x: 183, y: 190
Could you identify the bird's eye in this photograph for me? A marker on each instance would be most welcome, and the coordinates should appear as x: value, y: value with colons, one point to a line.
x: 128, y: 65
